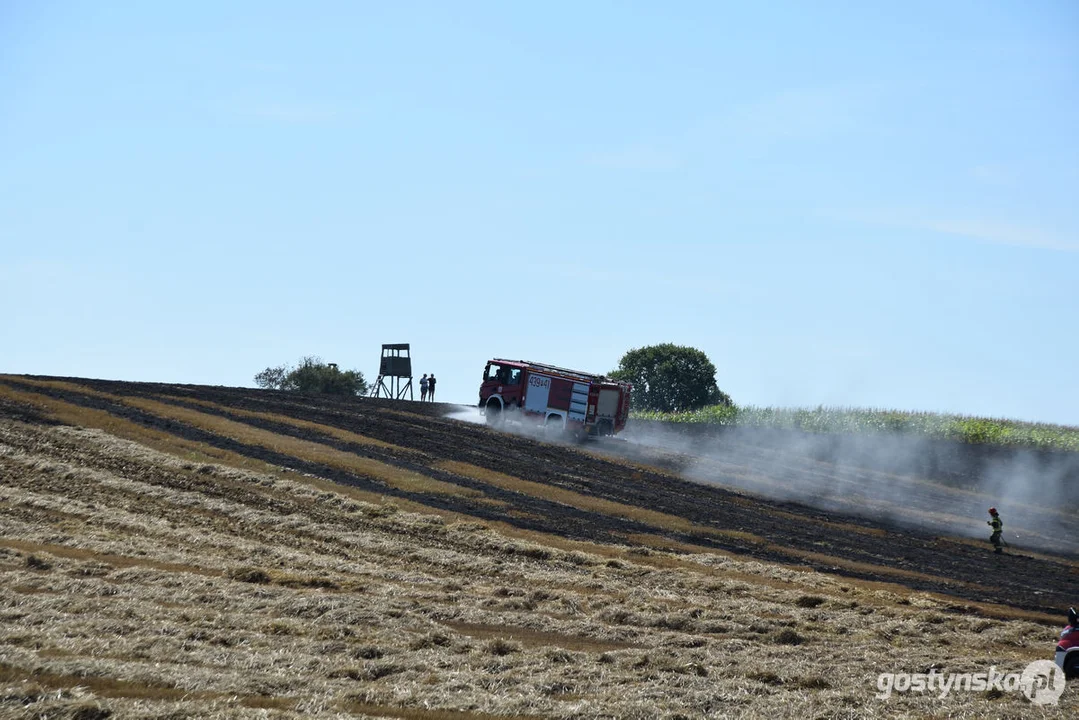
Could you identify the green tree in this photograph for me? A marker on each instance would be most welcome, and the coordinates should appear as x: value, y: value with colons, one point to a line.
x: 314, y: 376
x: 272, y: 378
x: 670, y: 378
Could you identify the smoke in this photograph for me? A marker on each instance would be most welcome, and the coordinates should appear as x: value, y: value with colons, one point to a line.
x: 466, y: 413
x: 898, y: 480
x: 512, y: 423
x: 906, y: 481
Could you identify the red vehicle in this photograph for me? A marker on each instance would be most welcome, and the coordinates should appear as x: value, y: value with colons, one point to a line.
x: 1067, y: 655
x: 579, y: 403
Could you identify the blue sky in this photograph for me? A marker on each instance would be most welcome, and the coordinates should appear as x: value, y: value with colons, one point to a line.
x: 840, y: 203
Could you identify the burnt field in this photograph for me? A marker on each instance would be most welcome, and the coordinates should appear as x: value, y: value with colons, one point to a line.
x: 172, y: 550
x: 717, y: 514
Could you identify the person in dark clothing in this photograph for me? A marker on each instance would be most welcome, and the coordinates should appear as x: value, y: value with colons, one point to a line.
x: 431, y: 387
x: 998, y: 530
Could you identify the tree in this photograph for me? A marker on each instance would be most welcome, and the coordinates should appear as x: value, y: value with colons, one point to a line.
x: 272, y: 378
x: 314, y: 376
x: 670, y: 378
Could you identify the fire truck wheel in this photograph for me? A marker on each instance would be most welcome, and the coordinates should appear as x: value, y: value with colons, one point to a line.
x: 494, y: 414
x: 603, y: 428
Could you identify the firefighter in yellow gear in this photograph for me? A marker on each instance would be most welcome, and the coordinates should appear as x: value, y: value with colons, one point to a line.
x: 998, y: 530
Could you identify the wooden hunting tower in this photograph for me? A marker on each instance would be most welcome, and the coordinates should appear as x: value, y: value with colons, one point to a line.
x: 394, y: 367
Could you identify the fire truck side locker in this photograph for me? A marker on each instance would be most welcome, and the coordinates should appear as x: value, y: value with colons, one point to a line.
x: 537, y: 392
x: 607, y: 407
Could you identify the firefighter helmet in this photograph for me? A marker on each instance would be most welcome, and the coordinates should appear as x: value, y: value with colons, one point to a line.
x: 992, y: 511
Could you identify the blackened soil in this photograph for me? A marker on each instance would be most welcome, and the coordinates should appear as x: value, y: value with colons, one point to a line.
x: 784, y: 532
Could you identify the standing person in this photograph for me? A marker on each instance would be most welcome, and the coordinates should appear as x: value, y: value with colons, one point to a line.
x: 431, y: 388
x: 998, y: 530
x: 423, y: 387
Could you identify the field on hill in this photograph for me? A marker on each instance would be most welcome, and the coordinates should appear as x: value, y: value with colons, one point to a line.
x: 181, y: 551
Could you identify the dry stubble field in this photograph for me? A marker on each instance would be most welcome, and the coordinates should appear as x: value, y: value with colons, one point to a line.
x: 173, y: 551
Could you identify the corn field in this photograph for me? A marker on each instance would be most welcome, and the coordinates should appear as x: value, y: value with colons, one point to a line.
x: 962, y: 428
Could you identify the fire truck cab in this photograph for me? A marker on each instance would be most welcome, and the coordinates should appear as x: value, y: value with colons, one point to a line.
x: 582, y: 404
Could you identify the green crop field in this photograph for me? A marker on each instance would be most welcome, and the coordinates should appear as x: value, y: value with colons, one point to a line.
x: 991, y: 431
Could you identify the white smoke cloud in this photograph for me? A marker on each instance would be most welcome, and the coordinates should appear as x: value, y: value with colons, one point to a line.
x: 902, y: 480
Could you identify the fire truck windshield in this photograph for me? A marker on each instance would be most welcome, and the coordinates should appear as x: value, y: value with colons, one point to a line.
x: 504, y: 375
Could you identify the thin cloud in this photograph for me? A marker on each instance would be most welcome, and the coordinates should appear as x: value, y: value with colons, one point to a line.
x: 1005, y: 234
x: 986, y: 231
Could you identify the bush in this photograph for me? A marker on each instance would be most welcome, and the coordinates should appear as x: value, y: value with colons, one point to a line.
x: 314, y: 376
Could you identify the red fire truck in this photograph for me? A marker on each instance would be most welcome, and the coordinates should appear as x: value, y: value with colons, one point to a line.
x: 579, y: 403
